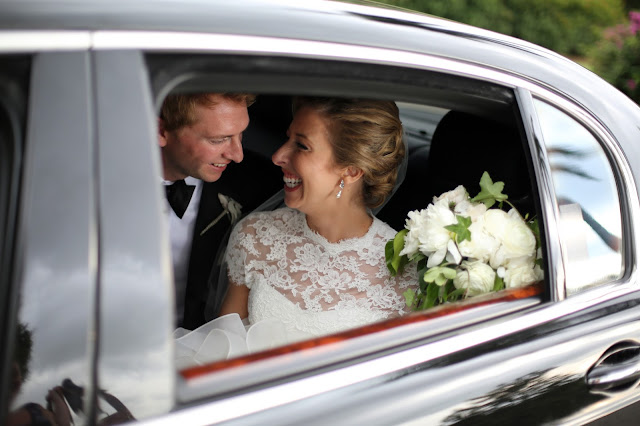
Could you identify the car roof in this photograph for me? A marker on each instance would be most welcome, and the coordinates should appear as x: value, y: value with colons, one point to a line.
x: 332, y: 22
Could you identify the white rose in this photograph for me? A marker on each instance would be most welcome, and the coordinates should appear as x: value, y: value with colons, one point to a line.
x: 453, y: 197
x: 521, y: 272
x: 515, y: 237
x: 476, y: 277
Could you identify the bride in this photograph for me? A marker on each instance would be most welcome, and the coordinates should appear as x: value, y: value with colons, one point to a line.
x: 318, y: 266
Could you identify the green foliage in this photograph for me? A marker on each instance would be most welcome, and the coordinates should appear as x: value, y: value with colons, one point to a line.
x: 490, y: 192
x: 616, y: 58
x: 566, y: 26
x: 461, y: 229
x: 395, y: 262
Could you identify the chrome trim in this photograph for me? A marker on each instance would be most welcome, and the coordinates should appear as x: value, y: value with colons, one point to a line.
x: 377, y: 369
x: 546, y: 191
x: 25, y: 41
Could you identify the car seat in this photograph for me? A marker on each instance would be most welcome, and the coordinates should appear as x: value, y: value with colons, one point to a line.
x: 462, y: 148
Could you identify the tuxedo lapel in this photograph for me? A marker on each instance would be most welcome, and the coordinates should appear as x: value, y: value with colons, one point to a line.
x: 203, y: 251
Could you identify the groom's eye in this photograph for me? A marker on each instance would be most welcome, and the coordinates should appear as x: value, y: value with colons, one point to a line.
x: 216, y: 141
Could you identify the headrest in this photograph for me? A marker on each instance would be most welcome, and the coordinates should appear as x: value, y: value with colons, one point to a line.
x: 465, y: 145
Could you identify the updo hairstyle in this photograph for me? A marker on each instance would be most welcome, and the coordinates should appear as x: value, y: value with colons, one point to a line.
x: 366, y: 134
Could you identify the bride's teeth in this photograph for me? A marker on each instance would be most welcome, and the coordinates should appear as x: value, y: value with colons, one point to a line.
x: 292, y: 182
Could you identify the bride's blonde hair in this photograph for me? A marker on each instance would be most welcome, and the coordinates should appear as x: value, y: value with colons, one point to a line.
x: 366, y: 134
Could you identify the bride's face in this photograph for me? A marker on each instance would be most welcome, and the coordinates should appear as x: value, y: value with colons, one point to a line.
x: 311, y: 178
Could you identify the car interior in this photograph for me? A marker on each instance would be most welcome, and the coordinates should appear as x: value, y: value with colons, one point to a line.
x: 455, y: 128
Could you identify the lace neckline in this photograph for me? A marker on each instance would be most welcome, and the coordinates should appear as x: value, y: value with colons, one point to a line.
x: 345, y: 244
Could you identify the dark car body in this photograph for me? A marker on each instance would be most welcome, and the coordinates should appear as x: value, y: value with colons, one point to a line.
x: 84, y: 251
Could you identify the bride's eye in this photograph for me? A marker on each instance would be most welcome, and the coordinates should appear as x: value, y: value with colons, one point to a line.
x: 301, y: 146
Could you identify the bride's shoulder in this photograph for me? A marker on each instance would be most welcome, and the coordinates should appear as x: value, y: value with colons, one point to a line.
x: 383, y: 230
x: 279, y: 218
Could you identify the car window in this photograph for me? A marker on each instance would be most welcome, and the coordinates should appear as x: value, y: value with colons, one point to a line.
x: 453, y: 128
x: 588, y: 202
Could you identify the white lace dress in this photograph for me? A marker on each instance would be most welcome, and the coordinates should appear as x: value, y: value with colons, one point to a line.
x: 301, y: 285
x: 315, y: 287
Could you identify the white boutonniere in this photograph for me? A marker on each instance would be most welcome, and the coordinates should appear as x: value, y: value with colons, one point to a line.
x: 230, y: 207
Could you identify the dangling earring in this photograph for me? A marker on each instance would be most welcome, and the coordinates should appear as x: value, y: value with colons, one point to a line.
x: 341, y: 188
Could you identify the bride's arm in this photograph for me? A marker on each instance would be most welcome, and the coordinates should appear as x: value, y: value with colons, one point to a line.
x: 236, y: 300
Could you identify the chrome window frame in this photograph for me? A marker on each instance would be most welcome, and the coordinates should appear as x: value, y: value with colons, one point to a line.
x: 376, y: 368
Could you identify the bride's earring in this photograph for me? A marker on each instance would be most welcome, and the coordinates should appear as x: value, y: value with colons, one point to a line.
x: 341, y: 188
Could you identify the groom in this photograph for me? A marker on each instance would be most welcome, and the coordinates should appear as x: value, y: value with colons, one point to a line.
x: 200, y: 137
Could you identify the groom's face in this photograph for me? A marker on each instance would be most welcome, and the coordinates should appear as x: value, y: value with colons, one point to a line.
x: 205, y: 148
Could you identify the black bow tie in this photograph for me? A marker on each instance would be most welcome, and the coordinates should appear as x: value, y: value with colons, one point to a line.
x: 179, y: 194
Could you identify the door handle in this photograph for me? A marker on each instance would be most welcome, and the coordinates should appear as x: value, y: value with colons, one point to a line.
x: 617, y: 370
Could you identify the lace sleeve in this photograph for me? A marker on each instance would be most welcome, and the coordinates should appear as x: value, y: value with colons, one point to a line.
x: 246, y: 250
x: 236, y: 252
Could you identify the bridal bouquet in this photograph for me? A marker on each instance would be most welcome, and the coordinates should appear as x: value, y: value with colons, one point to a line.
x: 465, y: 246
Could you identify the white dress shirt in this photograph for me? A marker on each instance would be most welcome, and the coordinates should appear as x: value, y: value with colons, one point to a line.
x: 181, y: 234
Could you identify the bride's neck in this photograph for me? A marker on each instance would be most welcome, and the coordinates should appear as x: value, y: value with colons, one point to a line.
x: 348, y: 223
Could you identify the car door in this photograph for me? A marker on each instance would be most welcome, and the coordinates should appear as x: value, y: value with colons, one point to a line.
x: 49, y: 218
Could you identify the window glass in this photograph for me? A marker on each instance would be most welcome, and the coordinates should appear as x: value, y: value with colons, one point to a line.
x: 590, y: 220
x: 452, y: 129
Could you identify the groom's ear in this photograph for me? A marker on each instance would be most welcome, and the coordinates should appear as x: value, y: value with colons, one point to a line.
x: 162, y: 133
x: 352, y: 174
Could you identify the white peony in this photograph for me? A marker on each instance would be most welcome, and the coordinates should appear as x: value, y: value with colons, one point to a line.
x: 482, y: 244
x: 476, y: 277
x: 515, y: 237
x: 434, y: 238
x: 415, y: 222
x: 427, y: 232
x: 455, y: 197
x: 471, y: 210
x: 521, y: 272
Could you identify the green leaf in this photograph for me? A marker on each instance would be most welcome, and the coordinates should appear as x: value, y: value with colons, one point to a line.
x: 439, y: 275
x: 431, y: 274
x: 535, y: 228
x: 461, y: 229
x: 432, y: 295
x: 498, y: 283
x: 421, y: 281
x: 395, y: 262
x: 388, y: 255
x: 398, y: 241
x: 456, y: 294
x: 449, y: 273
x: 410, y: 298
x: 490, y: 192
x: 441, y: 280
x: 448, y: 289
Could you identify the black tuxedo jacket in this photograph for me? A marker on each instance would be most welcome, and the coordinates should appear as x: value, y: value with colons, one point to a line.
x: 250, y: 183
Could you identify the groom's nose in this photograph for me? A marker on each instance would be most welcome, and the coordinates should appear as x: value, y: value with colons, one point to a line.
x: 234, y: 152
